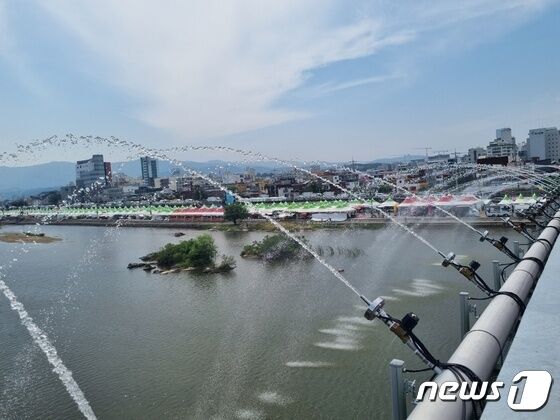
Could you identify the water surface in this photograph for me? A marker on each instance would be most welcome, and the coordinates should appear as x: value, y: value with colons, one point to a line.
x: 264, y: 341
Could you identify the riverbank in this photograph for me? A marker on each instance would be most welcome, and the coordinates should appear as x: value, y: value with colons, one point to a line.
x: 265, y: 226
x: 17, y: 237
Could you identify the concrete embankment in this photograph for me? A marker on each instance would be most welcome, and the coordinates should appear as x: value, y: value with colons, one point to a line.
x: 264, y: 225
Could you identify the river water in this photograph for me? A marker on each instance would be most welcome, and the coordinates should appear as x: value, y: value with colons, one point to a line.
x: 264, y: 341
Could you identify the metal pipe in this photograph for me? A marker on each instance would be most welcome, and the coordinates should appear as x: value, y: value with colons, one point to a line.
x: 482, y: 346
x: 398, y: 395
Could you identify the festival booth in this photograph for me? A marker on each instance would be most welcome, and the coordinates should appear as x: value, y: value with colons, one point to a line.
x: 198, y: 214
x: 389, y: 206
x: 336, y: 210
x: 413, y: 206
x: 506, y: 201
x: 521, y: 203
x: 465, y: 205
x: 462, y: 206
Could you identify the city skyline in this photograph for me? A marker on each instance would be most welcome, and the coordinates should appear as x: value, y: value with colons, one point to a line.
x: 362, y: 82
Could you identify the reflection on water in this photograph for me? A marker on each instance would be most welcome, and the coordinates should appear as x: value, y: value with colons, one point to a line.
x: 282, y: 340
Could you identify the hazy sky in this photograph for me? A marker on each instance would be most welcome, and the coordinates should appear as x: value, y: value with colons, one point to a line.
x: 311, y: 79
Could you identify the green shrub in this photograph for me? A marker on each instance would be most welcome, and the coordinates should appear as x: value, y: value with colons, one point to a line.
x: 275, y: 248
x: 199, y: 253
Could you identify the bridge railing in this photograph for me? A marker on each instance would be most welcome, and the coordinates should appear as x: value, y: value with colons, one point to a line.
x: 483, y: 344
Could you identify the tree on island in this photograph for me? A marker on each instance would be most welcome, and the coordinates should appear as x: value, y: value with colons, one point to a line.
x: 198, y: 253
x: 235, y: 212
x: 276, y: 248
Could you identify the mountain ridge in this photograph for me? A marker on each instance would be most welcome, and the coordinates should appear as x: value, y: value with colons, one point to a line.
x: 18, y: 181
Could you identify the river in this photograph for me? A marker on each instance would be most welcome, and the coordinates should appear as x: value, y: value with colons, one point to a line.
x: 264, y: 341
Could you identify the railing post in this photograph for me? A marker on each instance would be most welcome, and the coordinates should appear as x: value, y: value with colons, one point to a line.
x: 464, y: 318
x: 517, y: 249
x: 497, y: 279
x: 398, y: 400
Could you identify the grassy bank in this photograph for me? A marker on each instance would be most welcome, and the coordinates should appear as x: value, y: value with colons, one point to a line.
x: 19, y: 237
x: 265, y: 226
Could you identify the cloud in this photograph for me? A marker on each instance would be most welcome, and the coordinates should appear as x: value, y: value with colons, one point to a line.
x: 210, y: 68
x: 330, y: 87
x: 205, y: 68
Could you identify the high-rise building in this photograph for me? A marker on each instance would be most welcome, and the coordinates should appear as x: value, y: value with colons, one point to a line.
x: 92, y: 171
x: 149, y: 169
x: 543, y: 143
x: 503, y: 145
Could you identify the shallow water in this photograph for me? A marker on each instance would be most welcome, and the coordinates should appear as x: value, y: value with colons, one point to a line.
x: 282, y: 340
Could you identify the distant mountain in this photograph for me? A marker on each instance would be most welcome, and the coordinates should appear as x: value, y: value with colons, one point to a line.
x: 403, y: 158
x: 132, y: 168
x: 26, y: 180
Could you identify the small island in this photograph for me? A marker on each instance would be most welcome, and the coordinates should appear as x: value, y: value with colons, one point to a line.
x: 197, y: 255
x: 275, y: 248
x: 27, y: 237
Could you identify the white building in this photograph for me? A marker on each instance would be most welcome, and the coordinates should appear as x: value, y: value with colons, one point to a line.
x: 167, y: 182
x: 544, y: 143
x: 91, y: 171
x: 503, y: 145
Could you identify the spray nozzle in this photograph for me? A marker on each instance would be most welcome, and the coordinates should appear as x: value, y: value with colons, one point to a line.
x: 373, y: 308
x: 409, y: 321
x: 474, y: 265
x: 501, y: 243
x: 448, y: 260
x: 470, y: 270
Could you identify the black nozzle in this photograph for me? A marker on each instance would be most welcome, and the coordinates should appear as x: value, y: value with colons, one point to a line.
x: 474, y: 265
x: 369, y: 315
x: 503, y: 240
x: 409, y: 321
x: 482, y: 238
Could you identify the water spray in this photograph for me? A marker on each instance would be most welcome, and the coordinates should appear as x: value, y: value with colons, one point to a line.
x: 402, y: 328
x: 483, y: 235
x: 471, y: 274
x: 519, y: 227
x: 499, y: 244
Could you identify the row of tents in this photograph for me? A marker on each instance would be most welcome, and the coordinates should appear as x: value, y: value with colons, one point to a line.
x: 519, y: 200
x: 107, y: 212
x: 463, y: 205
